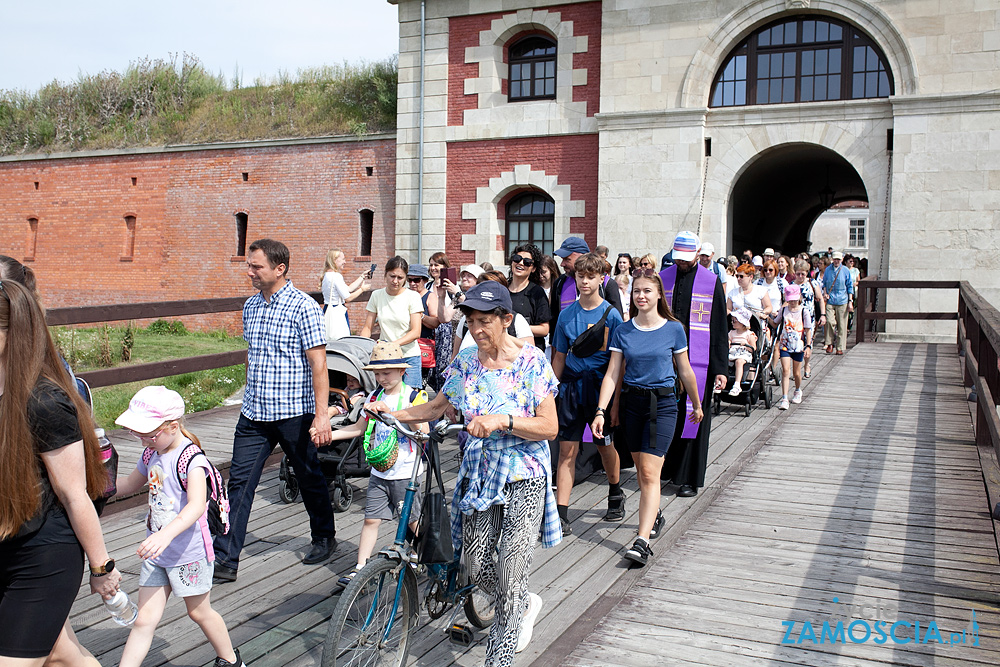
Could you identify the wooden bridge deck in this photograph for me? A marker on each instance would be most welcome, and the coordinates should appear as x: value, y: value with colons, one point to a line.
x: 869, y: 490
x: 866, y: 504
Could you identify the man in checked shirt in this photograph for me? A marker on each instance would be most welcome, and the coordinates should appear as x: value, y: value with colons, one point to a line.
x: 286, y: 395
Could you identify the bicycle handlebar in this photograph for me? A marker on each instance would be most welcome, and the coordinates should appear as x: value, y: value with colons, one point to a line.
x: 442, y: 429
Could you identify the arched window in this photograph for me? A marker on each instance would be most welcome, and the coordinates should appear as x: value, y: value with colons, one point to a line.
x: 531, y: 219
x: 802, y: 59
x: 532, y: 63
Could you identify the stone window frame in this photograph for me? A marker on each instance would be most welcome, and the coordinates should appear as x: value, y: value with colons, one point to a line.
x: 852, y: 37
x: 857, y: 234
x: 699, y: 78
x: 497, y: 117
x: 485, y: 210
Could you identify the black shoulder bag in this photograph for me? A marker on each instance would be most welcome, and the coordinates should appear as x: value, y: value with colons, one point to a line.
x: 433, y: 543
x: 592, y: 340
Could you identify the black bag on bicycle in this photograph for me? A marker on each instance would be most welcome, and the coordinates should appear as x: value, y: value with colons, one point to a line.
x: 433, y: 543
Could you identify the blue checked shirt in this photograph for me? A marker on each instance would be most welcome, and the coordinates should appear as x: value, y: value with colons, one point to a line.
x: 279, y: 378
x: 489, y: 464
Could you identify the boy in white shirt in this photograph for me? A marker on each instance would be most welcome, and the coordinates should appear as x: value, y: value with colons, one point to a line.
x: 391, y: 456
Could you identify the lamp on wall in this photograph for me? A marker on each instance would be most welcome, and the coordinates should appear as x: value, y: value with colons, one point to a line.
x: 826, y: 194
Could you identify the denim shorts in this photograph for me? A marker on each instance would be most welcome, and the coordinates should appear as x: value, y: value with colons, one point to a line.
x: 184, y: 580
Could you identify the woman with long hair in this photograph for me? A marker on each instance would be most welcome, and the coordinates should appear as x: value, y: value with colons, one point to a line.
x: 548, y: 273
x: 526, y: 293
x: 50, y: 472
x: 399, y: 312
x: 646, y: 350
x: 337, y: 293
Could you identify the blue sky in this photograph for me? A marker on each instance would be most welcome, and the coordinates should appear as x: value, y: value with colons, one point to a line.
x: 59, y: 39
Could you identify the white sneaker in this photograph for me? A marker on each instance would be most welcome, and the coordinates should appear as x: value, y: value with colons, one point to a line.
x: 797, y: 396
x: 528, y: 621
x: 735, y: 391
x: 783, y: 403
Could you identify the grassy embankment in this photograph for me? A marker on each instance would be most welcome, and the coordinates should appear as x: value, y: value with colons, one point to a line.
x: 163, y: 102
x: 103, y: 347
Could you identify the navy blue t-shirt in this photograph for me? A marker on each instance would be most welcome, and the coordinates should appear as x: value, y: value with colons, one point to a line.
x: 649, y: 353
x: 574, y: 321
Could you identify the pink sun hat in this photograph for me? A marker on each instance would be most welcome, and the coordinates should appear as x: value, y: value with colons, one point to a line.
x: 150, y: 407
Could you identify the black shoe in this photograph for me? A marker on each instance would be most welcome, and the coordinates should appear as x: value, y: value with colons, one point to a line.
x: 687, y: 491
x: 219, y: 662
x: 321, y: 551
x: 616, y: 508
x: 566, y: 530
x: 223, y: 574
x: 657, y: 525
x: 640, y: 552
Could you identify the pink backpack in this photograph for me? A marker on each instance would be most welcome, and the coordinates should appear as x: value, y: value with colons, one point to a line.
x: 218, y: 496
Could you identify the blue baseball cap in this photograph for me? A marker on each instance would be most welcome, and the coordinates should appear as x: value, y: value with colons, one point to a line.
x: 570, y: 245
x: 686, y: 246
x: 488, y: 295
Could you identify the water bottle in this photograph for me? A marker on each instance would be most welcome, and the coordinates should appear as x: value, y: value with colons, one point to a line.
x: 123, y: 611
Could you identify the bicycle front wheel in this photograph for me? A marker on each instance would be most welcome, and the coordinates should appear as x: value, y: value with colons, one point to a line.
x: 374, y: 619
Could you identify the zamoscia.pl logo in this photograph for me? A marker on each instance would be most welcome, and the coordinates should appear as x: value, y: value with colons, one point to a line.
x: 858, y: 629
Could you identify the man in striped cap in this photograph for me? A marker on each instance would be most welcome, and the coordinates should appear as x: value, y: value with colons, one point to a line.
x: 696, y: 298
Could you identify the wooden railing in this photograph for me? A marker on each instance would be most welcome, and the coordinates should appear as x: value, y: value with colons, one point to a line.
x: 978, y: 342
x: 158, y: 309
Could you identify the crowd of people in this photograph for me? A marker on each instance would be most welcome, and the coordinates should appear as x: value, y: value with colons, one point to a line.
x: 547, y: 364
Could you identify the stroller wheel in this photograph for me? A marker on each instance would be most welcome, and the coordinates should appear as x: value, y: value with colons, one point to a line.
x: 768, y: 397
x: 340, y: 498
x: 746, y: 409
x: 288, y: 491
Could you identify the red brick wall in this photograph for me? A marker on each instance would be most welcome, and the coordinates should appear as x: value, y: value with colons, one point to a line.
x: 306, y: 196
x: 471, y: 164
x: 463, y: 32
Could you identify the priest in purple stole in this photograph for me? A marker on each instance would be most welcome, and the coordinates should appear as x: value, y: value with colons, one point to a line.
x: 697, y: 299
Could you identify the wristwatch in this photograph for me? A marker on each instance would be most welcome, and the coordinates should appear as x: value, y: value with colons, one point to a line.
x: 103, y: 569
x: 510, y: 423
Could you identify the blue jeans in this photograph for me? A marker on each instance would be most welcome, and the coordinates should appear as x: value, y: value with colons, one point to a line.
x: 413, y: 377
x: 252, y: 444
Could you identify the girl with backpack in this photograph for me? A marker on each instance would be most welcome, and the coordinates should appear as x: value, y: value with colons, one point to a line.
x: 177, y: 554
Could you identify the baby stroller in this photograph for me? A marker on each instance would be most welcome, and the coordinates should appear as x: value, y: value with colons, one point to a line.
x: 340, y: 460
x: 754, y: 384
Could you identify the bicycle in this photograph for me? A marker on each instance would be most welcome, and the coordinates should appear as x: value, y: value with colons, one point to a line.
x: 377, y: 614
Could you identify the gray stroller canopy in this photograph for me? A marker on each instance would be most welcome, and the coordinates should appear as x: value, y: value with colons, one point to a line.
x: 350, y: 355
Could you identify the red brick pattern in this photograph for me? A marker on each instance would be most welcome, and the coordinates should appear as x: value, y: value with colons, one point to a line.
x: 307, y: 196
x: 471, y: 164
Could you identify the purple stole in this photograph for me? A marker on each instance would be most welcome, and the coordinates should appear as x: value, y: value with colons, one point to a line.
x: 699, y: 330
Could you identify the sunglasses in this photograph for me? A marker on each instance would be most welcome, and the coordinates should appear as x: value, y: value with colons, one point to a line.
x: 768, y: 270
x: 414, y: 279
x: 645, y: 273
x: 521, y: 259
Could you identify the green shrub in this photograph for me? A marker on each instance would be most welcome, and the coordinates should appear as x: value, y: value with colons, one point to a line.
x: 168, y: 328
x: 156, y: 102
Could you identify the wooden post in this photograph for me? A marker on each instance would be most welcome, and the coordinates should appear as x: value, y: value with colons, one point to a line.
x: 860, y: 311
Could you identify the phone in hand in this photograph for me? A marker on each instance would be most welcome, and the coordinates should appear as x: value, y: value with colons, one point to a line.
x: 450, y: 274
x: 371, y: 271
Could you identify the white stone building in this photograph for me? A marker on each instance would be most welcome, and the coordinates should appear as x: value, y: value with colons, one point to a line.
x: 742, y: 120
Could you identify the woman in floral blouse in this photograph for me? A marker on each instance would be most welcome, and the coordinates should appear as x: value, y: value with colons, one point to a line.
x: 503, y: 493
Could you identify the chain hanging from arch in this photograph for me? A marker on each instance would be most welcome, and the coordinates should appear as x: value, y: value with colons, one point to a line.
x: 701, y: 206
x: 884, y: 250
